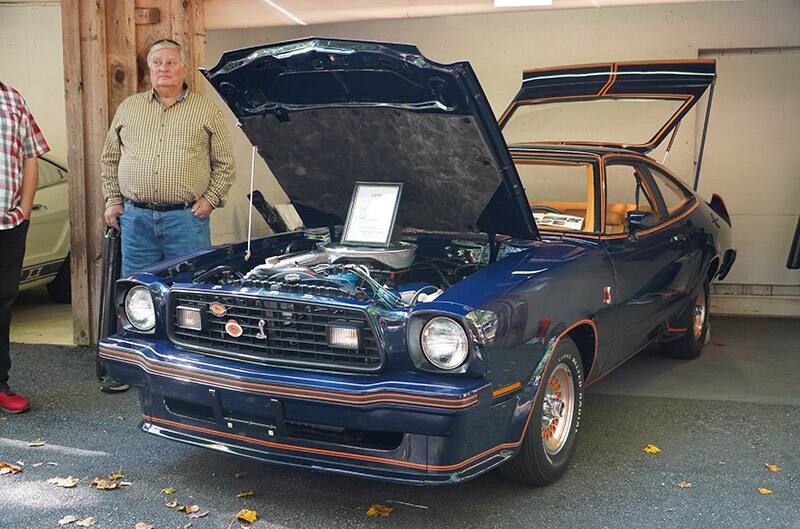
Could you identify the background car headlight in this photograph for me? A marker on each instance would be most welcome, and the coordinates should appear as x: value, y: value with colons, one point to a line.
x: 444, y: 343
x: 139, y: 308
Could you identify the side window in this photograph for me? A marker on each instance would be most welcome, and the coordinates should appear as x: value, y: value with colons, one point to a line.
x: 560, y: 193
x: 626, y: 190
x: 675, y: 197
x: 49, y: 174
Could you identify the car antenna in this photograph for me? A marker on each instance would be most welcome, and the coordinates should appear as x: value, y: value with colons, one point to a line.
x: 250, y: 209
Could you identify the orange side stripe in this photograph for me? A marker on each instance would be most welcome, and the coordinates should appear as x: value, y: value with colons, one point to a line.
x: 611, y: 78
x: 506, y: 389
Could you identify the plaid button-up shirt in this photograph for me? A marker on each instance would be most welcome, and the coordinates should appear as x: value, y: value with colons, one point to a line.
x: 163, y: 155
x: 20, y: 138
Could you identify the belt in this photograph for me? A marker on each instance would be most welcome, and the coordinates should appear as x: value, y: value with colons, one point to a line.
x: 162, y: 207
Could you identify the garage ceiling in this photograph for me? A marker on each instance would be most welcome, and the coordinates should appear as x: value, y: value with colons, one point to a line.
x: 226, y: 14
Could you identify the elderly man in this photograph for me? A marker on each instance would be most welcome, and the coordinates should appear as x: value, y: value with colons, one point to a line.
x: 166, y: 164
x: 21, y: 142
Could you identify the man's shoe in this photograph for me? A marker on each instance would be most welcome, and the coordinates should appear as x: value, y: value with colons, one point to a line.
x: 110, y: 385
x: 10, y: 402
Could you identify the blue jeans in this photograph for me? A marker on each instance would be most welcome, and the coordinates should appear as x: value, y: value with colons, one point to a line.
x: 149, y: 237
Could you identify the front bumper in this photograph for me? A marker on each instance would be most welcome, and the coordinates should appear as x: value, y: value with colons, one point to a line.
x: 413, y: 428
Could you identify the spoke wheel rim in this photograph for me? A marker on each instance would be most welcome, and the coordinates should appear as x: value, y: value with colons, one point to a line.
x: 699, y: 317
x: 558, y: 409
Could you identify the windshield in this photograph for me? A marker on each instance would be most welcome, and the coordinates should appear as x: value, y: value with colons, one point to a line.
x: 560, y: 193
x: 608, y: 120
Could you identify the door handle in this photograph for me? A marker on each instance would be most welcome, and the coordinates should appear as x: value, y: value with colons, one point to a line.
x: 36, y: 207
x: 678, y: 238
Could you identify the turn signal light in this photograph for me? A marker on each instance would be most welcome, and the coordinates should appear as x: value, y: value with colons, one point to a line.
x: 189, y: 318
x: 343, y: 336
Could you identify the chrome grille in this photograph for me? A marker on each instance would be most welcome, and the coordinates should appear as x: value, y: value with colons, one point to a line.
x: 296, y: 332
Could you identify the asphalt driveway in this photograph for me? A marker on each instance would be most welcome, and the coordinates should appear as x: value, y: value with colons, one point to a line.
x: 730, y: 421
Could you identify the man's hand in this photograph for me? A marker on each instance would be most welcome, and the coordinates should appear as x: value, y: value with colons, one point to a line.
x: 202, y: 208
x: 111, y: 215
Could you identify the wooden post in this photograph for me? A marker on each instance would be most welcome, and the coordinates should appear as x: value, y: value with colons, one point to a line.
x: 105, y: 46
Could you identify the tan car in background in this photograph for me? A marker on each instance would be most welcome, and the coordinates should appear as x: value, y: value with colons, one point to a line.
x: 47, y: 250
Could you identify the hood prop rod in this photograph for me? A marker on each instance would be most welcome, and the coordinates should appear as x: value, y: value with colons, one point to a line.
x: 250, y: 209
x: 703, y: 139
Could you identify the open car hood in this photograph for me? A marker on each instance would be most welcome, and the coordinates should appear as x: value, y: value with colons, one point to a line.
x: 655, y: 94
x: 326, y: 113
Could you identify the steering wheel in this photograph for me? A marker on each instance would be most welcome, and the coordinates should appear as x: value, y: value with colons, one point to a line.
x: 547, y: 208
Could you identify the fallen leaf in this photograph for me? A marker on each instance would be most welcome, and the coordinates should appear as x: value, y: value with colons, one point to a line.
x: 142, y: 525
x: 762, y: 490
x: 68, y: 482
x: 169, y: 490
x: 103, y: 484
x: 68, y: 519
x: 379, y: 510
x: 119, y: 474
x: 684, y: 485
x: 651, y: 449
x: 247, y: 516
x: 774, y: 468
x: 171, y: 504
x: 86, y: 522
x: 198, y: 514
x: 246, y: 494
x: 8, y: 468
x: 38, y: 442
x: 188, y: 509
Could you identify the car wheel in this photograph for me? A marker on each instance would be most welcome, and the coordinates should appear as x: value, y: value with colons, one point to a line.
x: 60, y: 288
x: 553, y: 427
x: 695, y: 321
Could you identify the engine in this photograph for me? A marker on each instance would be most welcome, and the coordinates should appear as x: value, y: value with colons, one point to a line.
x: 399, y: 276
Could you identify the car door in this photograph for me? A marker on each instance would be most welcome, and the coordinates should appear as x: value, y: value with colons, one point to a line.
x: 48, y: 234
x: 677, y: 202
x: 647, y: 263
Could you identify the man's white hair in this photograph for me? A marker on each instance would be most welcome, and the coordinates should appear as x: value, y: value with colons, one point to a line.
x: 162, y: 44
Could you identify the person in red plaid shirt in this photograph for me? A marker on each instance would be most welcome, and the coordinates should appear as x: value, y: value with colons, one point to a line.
x: 21, y: 142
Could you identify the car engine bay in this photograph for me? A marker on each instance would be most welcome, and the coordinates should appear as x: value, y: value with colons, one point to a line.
x: 397, y: 276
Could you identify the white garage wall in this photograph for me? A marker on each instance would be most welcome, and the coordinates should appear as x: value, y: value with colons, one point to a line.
x: 501, y: 46
x: 31, y: 61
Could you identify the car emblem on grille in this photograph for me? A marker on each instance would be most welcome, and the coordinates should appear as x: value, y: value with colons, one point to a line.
x: 262, y: 334
x: 233, y: 328
x: 218, y: 310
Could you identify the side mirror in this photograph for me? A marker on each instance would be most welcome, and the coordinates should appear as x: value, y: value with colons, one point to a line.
x: 640, y: 220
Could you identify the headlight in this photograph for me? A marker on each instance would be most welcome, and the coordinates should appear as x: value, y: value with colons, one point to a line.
x: 139, y: 308
x: 444, y: 343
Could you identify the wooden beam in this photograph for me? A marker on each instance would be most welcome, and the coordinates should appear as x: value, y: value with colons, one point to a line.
x: 105, y: 47
x: 147, y: 15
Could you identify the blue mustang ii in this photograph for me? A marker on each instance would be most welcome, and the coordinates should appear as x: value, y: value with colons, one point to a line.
x: 513, y: 273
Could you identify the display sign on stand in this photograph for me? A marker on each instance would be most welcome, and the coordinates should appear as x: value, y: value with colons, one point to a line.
x: 372, y: 213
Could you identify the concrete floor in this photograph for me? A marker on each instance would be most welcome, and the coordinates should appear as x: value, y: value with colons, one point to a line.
x: 718, y: 420
x: 35, y: 318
